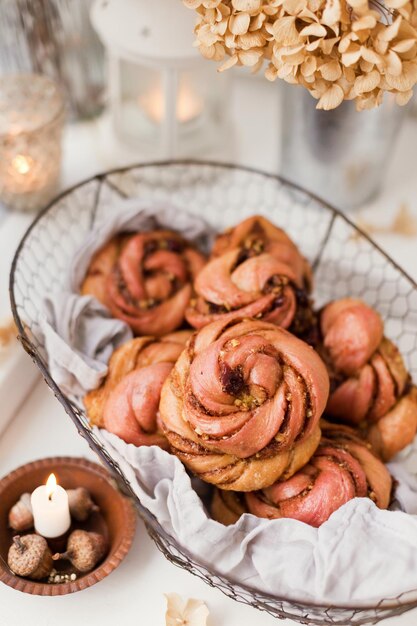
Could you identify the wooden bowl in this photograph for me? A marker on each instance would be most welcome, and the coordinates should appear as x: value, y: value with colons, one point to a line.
x: 116, y: 518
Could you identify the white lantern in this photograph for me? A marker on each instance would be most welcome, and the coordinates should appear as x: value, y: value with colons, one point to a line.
x: 164, y: 98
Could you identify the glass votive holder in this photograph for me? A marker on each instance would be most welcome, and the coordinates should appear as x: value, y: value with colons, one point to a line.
x: 32, y: 113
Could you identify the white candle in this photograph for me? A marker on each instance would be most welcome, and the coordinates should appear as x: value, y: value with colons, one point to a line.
x: 51, y: 509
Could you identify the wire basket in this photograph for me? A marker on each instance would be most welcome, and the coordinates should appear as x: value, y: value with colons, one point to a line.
x: 345, y: 260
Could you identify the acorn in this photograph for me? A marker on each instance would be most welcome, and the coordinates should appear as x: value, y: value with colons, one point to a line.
x: 30, y: 557
x: 84, y: 550
x: 80, y: 504
x: 20, y: 515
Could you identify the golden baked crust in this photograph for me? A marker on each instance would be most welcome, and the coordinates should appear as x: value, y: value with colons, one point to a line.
x: 343, y: 467
x: 370, y: 385
x: 258, y: 232
x: 145, y: 279
x: 255, y: 270
x: 227, y: 506
x: 133, y: 355
x: 242, y: 404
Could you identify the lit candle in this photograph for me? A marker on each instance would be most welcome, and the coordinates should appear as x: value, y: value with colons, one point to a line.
x: 189, y: 105
x: 31, y: 120
x: 22, y: 164
x: 51, y: 509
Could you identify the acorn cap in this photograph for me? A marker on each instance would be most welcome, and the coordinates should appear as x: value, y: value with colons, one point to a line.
x: 80, y: 504
x: 84, y: 550
x: 20, y: 515
x: 30, y: 557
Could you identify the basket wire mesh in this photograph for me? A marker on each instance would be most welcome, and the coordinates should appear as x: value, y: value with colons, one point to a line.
x: 345, y: 260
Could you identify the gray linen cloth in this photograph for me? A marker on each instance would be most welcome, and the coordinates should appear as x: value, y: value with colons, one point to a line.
x: 360, y: 555
x: 80, y: 337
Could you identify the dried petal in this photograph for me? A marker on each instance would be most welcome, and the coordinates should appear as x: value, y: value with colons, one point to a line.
x: 271, y: 72
x: 230, y: 62
x: 332, y: 12
x: 285, y: 70
x: 185, y: 613
x: 314, y: 45
x: 220, y: 28
x: 327, y: 45
x: 255, y: 68
x: 251, y: 40
x: 294, y: 7
x: 239, y: 23
x: 360, y: 5
x: 390, y: 32
x: 285, y: 31
x: 370, y: 55
x: 206, y: 36
x: 403, y: 46
x: 402, y: 98
x: 331, y: 98
x: 394, y: 64
x: 406, y: 80
x: 313, y: 30
x: 309, y: 66
x: 247, y: 5
x: 367, y: 82
x: 208, y: 52
x: 249, y: 58
x: 257, y: 21
x: 369, y: 101
x: 395, y: 4
x: 331, y: 70
x: 364, y: 23
x: 349, y: 74
x: 219, y: 52
x: 352, y: 56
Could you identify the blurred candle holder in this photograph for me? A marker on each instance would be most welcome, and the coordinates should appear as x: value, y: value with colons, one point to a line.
x: 31, y: 121
x: 164, y: 97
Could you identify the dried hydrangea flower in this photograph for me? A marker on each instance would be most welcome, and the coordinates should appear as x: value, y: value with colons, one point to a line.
x: 337, y: 49
x: 182, y: 612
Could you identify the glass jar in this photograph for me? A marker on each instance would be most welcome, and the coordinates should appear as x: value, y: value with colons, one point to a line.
x: 31, y: 122
x: 340, y: 155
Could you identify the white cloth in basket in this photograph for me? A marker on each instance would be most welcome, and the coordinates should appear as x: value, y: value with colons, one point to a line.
x: 359, y: 556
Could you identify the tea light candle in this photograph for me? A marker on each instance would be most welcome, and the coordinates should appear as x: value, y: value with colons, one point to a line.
x: 188, y: 108
x: 31, y: 122
x: 51, y: 509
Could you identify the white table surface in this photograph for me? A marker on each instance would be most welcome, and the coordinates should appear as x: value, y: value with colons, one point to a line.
x: 133, y: 594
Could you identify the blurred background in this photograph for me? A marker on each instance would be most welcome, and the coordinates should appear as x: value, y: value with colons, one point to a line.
x: 134, y: 88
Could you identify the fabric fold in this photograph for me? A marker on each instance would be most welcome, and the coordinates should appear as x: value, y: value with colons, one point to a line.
x: 361, y: 555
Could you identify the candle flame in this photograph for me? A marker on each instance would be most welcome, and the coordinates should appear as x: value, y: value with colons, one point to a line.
x: 188, y: 106
x: 22, y: 164
x: 50, y: 486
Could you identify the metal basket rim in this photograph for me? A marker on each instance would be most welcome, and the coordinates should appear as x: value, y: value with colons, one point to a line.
x: 145, y: 514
